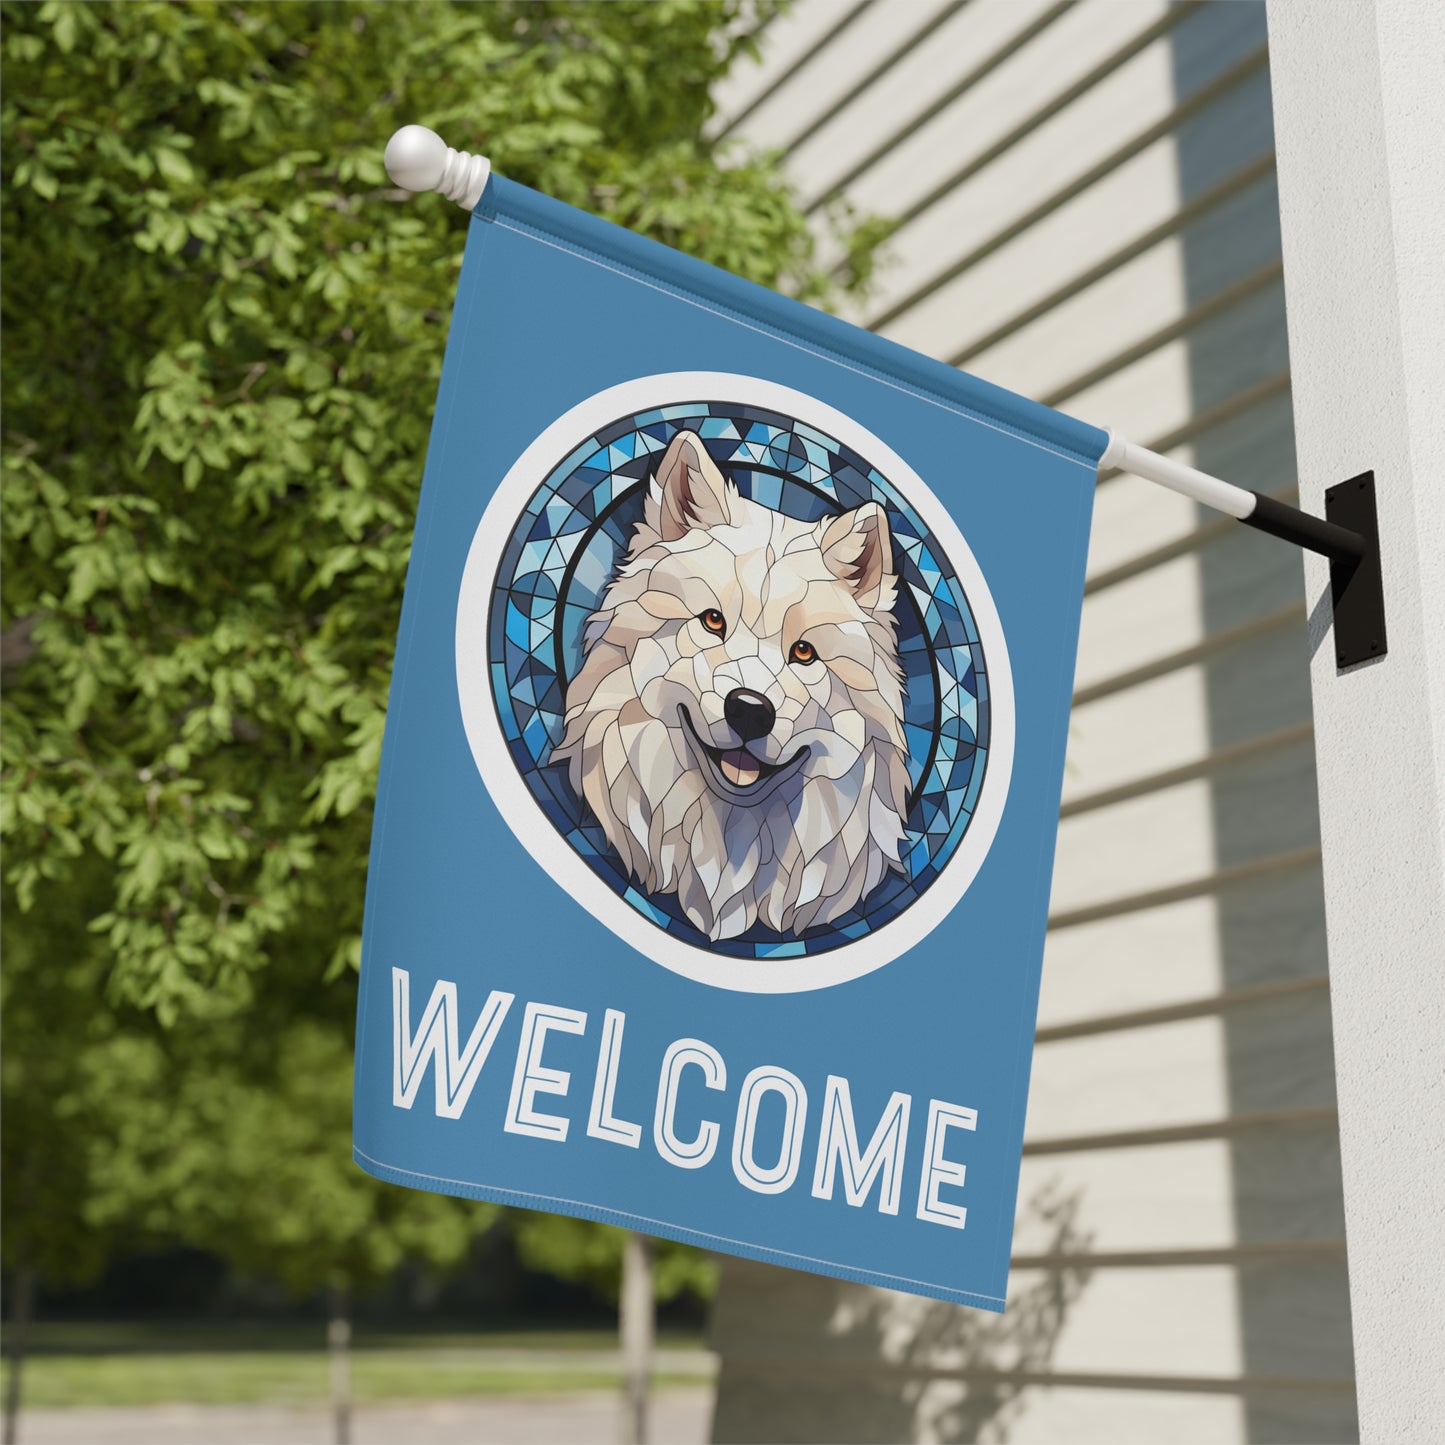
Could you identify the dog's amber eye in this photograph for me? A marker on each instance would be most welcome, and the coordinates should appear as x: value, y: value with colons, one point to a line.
x: 713, y: 620
x: 803, y: 652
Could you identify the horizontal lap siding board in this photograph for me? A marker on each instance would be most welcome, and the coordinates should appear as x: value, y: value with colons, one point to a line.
x: 1092, y: 220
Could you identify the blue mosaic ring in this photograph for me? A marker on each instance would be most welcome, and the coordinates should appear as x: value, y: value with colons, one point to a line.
x: 564, y: 551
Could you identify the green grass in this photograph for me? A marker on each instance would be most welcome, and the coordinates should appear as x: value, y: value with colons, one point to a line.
x: 116, y: 1365
x: 107, y: 1337
x: 279, y: 1378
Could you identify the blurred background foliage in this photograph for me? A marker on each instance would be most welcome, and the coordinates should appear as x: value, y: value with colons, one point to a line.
x: 223, y: 331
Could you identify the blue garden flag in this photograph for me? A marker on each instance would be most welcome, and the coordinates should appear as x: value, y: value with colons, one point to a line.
x: 722, y: 769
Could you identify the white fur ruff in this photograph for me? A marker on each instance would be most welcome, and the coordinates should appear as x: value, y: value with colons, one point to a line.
x: 791, y: 829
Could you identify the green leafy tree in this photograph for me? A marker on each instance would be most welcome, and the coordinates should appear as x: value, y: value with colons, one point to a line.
x: 229, y: 1131
x: 590, y: 1253
x: 223, y: 330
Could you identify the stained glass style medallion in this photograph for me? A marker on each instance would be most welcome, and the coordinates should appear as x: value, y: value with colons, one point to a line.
x: 719, y: 869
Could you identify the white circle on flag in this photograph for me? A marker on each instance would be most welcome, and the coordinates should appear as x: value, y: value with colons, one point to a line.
x: 652, y: 924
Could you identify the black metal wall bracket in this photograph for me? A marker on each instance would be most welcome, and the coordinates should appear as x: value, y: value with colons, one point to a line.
x: 1349, y: 535
x: 1357, y: 589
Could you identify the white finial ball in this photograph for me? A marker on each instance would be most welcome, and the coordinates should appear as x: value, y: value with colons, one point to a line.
x: 415, y: 158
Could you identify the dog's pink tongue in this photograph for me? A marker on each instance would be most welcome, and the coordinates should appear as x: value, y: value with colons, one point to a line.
x: 740, y: 768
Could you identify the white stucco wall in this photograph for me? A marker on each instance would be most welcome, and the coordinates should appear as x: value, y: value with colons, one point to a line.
x: 1360, y: 122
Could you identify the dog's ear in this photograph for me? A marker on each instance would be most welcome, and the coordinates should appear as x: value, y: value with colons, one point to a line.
x: 687, y: 490
x: 858, y: 549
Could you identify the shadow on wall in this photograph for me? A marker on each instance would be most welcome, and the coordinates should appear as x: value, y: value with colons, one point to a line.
x: 915, y: 1369
x: 1293, y: 1295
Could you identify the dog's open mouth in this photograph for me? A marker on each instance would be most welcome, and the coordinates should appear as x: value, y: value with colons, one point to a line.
x: 737, y: 766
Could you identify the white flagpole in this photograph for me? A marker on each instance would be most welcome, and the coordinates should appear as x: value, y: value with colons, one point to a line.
x: 1190, y: 482
x: 1356, y: 581
x: 1253, y: 508
x: 418, y: 159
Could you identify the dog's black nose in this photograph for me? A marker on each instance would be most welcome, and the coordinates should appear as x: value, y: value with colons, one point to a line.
x: 749, y: 714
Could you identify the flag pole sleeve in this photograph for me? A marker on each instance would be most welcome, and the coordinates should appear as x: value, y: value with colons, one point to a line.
x: 418, y: 159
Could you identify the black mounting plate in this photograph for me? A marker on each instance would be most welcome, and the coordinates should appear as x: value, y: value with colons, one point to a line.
x: 1357, y: 586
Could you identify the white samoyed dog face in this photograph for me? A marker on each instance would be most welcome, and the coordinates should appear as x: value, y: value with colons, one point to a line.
x: 737, y: 722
